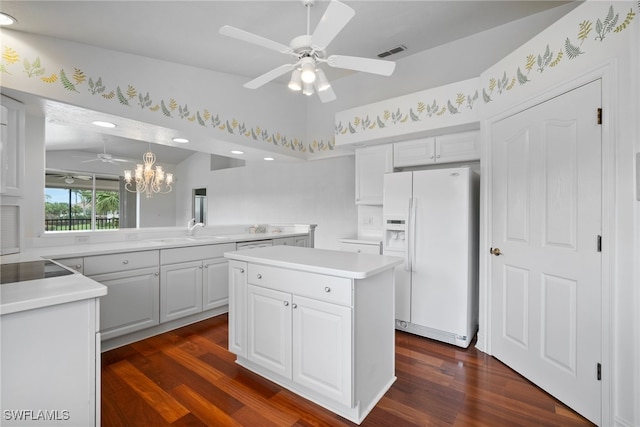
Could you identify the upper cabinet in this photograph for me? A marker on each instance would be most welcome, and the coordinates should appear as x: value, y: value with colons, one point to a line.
x: 11, y: 147
x: 455, y: 147
x: 371, y: 165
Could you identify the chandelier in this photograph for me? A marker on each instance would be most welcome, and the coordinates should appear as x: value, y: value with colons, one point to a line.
x: 147, y: 179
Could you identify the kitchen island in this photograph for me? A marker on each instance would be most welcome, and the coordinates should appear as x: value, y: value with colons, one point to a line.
x: 317, y: 322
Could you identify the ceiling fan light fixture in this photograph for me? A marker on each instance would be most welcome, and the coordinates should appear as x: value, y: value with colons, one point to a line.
x: 296, y: 81
x: 308, y: 66
x: 307, y: 88
x: 321, y: 82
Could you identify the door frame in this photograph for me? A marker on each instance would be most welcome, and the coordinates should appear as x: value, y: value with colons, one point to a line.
x: 606, y: 73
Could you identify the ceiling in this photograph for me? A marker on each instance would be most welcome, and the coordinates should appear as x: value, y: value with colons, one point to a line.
x: 186, y: 32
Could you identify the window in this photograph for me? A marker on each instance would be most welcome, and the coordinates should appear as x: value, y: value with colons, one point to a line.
x: 80, y: 201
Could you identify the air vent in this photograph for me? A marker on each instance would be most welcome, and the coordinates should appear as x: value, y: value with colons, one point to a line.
x: 393, y: 51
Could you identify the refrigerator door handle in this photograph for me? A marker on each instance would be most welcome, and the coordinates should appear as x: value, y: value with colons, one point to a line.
x: 407, y: 238
x: 411, y: 252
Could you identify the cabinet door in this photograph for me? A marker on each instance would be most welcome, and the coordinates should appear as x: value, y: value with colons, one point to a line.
x: 215, y: 285
x: 269, y: 329
x: 180, y: 290
x: 238, y: 307
x: 371, y: 165
x: 322, y: 357
x: 458, y: 147
x: 132, y: 301
x: 12, y: 146
x: 301, y: 241
x: 414, y: 153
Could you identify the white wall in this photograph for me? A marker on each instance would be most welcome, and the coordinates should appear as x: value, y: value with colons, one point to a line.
x: 316, y: 192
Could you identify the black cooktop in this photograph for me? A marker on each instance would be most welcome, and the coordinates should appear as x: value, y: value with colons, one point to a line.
x: 32, y: 270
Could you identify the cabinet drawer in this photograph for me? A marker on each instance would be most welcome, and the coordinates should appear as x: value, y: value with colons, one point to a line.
x: 337, y: 290
x: 101, y: 264
x: 76, y: 264
x: 192, y: 253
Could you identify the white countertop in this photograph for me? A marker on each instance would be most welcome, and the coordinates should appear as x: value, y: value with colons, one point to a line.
x: 21, y: 296
x: 88, y: 249
x: 323, y: 261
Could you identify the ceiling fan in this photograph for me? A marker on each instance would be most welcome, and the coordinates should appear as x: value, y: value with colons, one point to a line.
x: 308, y: 52
x: 105, y: 157
x: 70, y: 179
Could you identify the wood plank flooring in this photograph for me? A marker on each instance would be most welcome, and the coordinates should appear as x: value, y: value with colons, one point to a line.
x: 187, y: 377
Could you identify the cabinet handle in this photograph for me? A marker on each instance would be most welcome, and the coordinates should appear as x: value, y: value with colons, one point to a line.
x: 327, y: 289
x: 431, y: 157
x: 78, y: 266
x: 126, y: 261
x: 200, y: 266
x: 242, y: 270
x: 259, y: 276
x: 206, y: 266
x: 156, y: 274
x: 438, y: 156
x: 294, y: 305
x: 286, y: 303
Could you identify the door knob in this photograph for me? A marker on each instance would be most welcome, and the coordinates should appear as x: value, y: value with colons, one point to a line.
x: 495, y: 251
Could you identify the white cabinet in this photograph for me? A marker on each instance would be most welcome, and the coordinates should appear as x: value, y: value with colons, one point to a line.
x: 193, y: 279
x: 237, y: 307
x: 12, y: 131
x: 180, y: 290
x: 302, y: 241
x: 215, y: 285
x: 51, y: 363
x: 327, y: 338
x: 455, y: 147
x: 373, y: 247
x: 301, y: 339
x: 371, y: 165
x: 133, y: 282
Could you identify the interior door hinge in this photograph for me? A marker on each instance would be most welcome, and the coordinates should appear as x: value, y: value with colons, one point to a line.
x: 599, y: 116
x: 599, y: 372
x: 599, y: 244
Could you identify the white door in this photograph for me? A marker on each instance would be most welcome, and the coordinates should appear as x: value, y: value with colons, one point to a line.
x: 180, y: 290
x: 546, y: 219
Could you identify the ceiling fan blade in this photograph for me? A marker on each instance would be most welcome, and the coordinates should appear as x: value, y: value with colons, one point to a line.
x: 90, y: 160
x: 367, y: 65
x: 122, y: 160
x: 271, y: 75
x: 326, y: 95
x: 332, y: 22
x: 248, y: 37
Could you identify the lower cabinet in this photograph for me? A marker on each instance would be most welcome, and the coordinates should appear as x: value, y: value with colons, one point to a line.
x: 302, y: 241
x: 132, y: 301
x: 180, y: 290
x: 301, y: 339
x: 237, y: 307
x: 51, y: 365
x: 133, y: 290
x: 193, y: 279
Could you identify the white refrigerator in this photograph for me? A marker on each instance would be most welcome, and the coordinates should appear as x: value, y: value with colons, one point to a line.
x: 430, y: 219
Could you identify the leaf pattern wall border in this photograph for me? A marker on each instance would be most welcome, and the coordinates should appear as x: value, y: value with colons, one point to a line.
x: 75, y: 80
x: 602, y: 29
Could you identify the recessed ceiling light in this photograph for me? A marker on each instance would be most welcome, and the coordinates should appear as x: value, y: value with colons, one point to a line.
x: 269, y: 158
x: 7, y: 19
x: 237, y: 152
x: 104, y: 124
x: 180, y: 140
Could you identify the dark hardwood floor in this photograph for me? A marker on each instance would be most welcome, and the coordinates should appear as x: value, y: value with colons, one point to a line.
x: 187, y: 377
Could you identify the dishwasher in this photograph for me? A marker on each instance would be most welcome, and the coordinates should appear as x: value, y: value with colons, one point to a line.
x: 254, y: 244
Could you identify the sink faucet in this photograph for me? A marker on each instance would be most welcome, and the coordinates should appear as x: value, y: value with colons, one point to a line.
x: 191, y: 226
